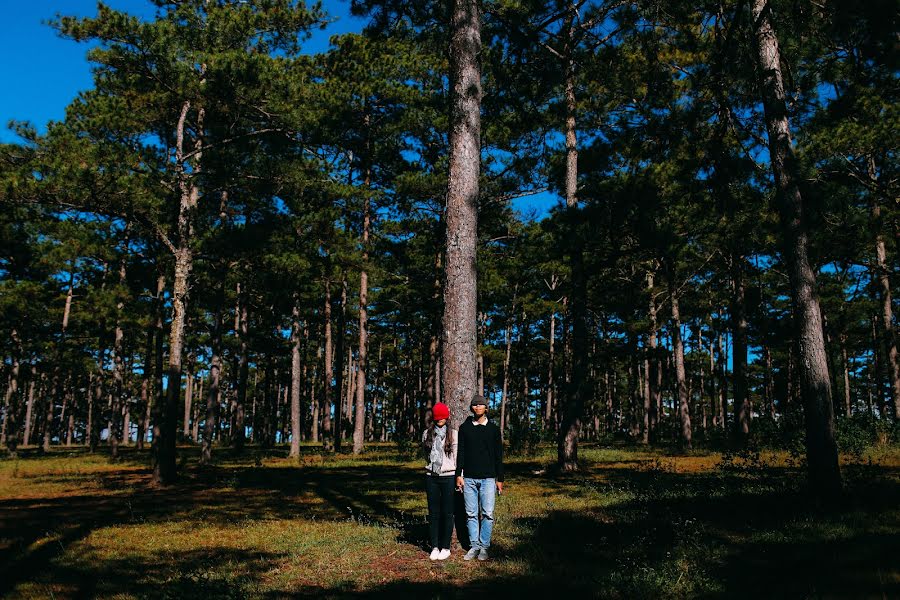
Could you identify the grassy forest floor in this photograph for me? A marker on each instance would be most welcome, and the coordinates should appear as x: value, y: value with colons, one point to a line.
x: 634, y: 523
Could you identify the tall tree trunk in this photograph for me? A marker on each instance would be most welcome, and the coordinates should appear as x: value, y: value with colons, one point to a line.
x: 296, y: 425
x: 118, y: 392
x: 359, y: 418
x: 684, y: 411
x: 655, y: 375
x: 328, y: 378
x: 460, y: 276
x: 10, y: 434
x: 888, y: 337
x: 570, y: 429
x: 164, y: 468
x: 238, y: 436
x: 505, y: 388
x: 821, y: 449
x: 551, y: 361
x: 188, y: 401
x: 210, y: 424
x: 29, y: 406
x: 845, y: 367
x: 338, y: 423
x: 723, y: 382
x: 739, y: 348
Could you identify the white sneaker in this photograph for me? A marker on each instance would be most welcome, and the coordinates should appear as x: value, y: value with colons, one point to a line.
x: 435, y: 553
x: 444, y: 555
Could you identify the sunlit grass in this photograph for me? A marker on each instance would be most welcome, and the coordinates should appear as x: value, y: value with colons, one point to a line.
x: 633, y: 522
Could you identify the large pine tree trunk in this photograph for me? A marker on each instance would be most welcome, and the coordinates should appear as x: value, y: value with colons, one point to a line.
x: 164, y: 467
x: 458, y: 368
x: 570, y: 429
x: 822, y: 460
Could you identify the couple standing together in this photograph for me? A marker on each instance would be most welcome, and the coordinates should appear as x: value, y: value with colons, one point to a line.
x: 470, y: 461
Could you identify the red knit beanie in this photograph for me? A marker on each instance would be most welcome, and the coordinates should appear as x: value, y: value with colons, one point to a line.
x: 440, y: 411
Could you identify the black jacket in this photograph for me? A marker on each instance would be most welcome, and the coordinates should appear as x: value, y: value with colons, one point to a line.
x: 480, y: 451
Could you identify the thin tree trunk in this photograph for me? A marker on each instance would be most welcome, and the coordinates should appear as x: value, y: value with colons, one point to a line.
x: 238, y: 436
x: 888, y: 337
x: 29, y: 406
x: 296, y: 424
x: 328, y: 369
x: 188, y: 402
x: 822, y: 461
x: 10, y: 435
x: 739, y: 359
x: 684, y: 411
x: 338, y: 424
x: 655, y: 376
x: 212, y: 396
x: 503, y: 394
x: 359, y: 419
x: 845, y: 364
x: 460, y: 275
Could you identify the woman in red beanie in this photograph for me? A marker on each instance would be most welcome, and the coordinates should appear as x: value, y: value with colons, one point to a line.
x: 440, y: 443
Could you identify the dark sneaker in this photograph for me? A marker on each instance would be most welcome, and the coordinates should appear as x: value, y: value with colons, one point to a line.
x: 472, y: 553
x: 482, y: 554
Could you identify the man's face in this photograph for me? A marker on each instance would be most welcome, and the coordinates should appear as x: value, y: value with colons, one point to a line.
x: 479, y: 410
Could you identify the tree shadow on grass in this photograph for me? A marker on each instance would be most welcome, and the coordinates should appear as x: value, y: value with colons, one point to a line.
x: 675, y: 534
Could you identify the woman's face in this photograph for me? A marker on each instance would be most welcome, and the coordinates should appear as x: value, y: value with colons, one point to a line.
x: 440, y: 422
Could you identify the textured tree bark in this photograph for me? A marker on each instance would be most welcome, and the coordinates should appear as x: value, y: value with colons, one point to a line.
x: 567, y: 439
x: 458, y: 368
x: 821, y: 449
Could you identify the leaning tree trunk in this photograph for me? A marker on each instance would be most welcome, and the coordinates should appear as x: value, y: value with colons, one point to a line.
x: 164, y: 466
x: 458, y: 362
x: 821, y: 449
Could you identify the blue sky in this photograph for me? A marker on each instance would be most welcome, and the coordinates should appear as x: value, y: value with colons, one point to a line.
x: 42, y: 73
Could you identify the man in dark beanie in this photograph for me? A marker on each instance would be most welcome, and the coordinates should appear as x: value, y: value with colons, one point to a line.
x: 479, y: 473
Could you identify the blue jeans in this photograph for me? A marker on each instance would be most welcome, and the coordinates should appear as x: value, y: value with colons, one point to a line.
x: 479, y: 492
